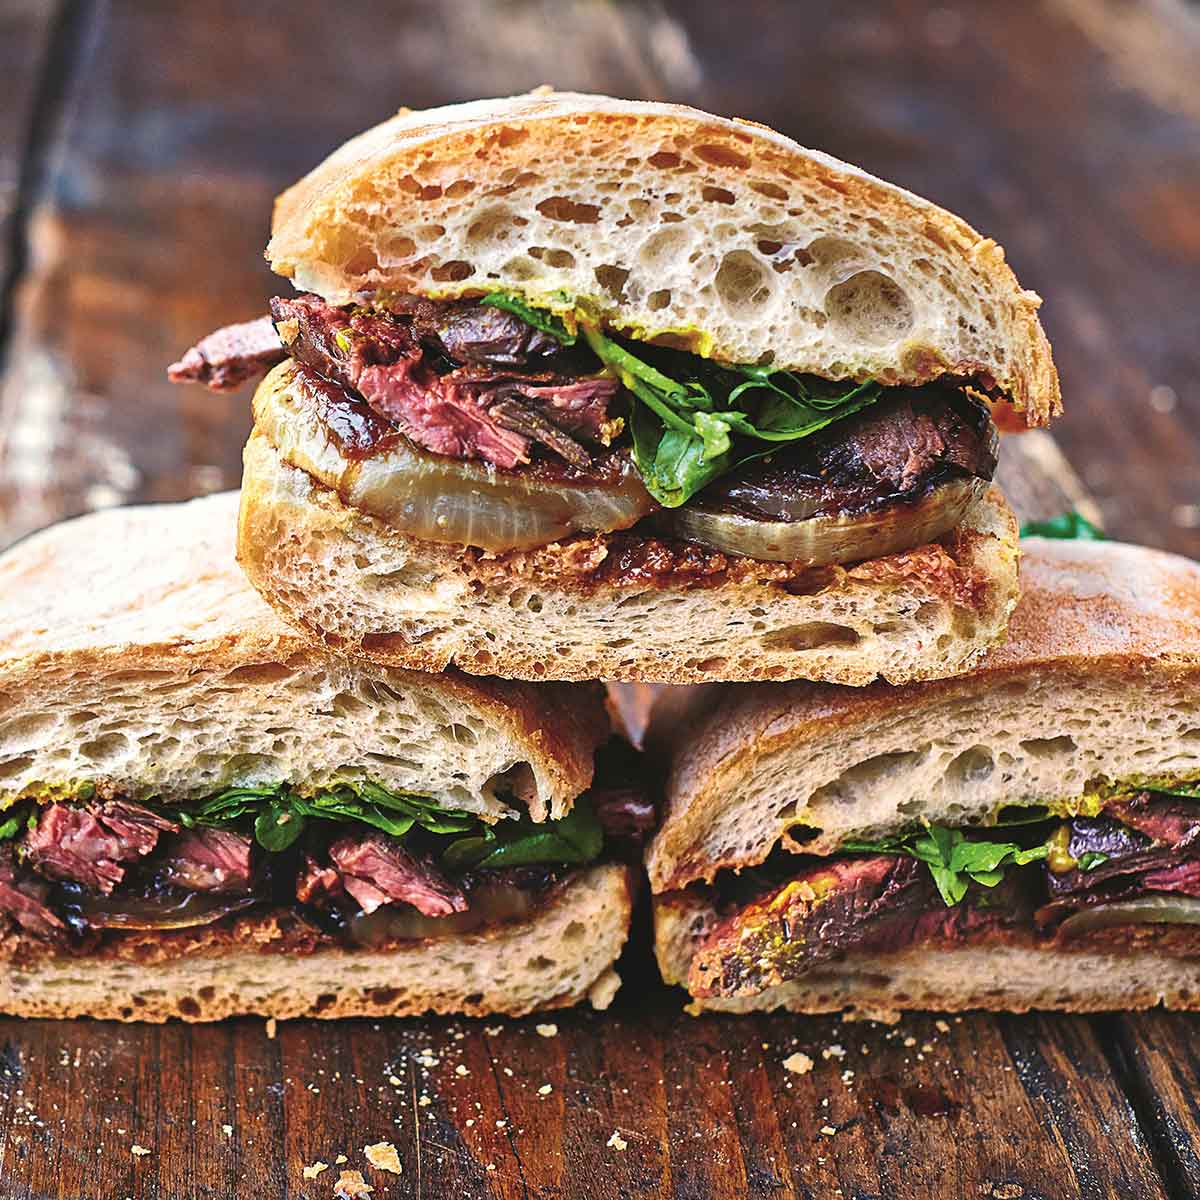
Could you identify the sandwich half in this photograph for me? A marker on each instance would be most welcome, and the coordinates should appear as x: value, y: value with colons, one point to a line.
x: 1027, y: 836
x: 200, y: 815
x: 580, y: 388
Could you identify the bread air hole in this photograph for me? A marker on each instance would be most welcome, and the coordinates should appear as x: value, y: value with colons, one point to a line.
x: 971, y: 766
x: 870, y: 307
x: 811, y: 636
x: 744, y: 285
x: 1043, y: 748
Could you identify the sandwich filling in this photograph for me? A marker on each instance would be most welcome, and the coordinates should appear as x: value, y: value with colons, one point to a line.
x: 353, y: 865
x: 1127, y: 877
x: 492, y: 401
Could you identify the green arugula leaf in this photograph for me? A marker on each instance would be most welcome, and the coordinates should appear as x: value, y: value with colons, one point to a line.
x: 1067, y: 525
x: 1180, y: 791
x: 686, y: 438
x: 11, y: 827
x: 1089, y: 860
x: 547, y: 322
x: 953, y: 859
x: 278, y: 825
x: 575, y: 838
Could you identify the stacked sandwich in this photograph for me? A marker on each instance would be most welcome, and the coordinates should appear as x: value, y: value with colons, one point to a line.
x: 568, y: 389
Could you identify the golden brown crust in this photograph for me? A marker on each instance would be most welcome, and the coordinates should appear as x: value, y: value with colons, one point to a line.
x: 157, y: 588
x: 382, y: 174
x: 1090, y: 613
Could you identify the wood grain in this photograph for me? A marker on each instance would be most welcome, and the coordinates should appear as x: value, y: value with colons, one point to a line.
x: 178, y: 124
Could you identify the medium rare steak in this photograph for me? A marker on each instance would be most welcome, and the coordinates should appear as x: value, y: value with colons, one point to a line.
x: 377, y: 870
x: 231, y: 356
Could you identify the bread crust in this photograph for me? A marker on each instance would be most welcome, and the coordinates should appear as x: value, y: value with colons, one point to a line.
x: 564, y: 612
x: 1098, y: 624
x: 374, y: 217
x: 1017, y: 976
x: 115, y: 597
x: 255, y: 966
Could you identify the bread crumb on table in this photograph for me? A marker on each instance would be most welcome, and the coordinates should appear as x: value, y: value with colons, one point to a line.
x: 311, y: 1172
x: 545, y: 1090
x: 547, y: 1031
x: 383, y: 1157
x: 272, y: 1026
x: 798, y: 1063
x: 617, y: 1142
x: 138, y: 1151
x: 351, y: 1185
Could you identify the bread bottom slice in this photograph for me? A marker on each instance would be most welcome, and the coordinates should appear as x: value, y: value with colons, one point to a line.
x: 999, y: 978
x: 560, y: 956
x: 620, y: 606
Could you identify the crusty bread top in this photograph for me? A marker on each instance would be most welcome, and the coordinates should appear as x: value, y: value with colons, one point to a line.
x: 667, y: 221
x: 1096, y: 620
x: 146, y: 608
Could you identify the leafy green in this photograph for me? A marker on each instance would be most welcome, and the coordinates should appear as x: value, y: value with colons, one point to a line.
x: 11, y: 827
x: 1066, y: 525
x: 547, y: 322
x: 576, y: 838
x: 954, y: 860
x: 1089, y: 860
x: 280, y: 815
x: 1180, y: 791
x: 684, y: 429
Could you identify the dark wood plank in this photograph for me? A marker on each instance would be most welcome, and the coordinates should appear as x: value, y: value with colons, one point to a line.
x: 1159, y: 1054
x: 1070, y: 131
x: 25, y: 38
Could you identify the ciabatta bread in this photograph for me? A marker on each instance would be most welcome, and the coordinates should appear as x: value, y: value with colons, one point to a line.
x: 1097, y: 685
x: 570, y: 611
x: 133, y: 652
x: 667, y: 221
x: 561, y: 955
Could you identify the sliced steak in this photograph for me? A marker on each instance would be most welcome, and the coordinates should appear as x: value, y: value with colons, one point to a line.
x: 1151, y: 843
x: 378, y: 870
x: 316, y: 884
x: 231, y: 356
x: 863, y: 905
x: 88, y: 845
x: 894, y: 450
x: 23, y: 897
x: 209, y: 860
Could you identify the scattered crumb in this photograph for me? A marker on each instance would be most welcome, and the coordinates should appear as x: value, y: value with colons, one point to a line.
x: 461, y: 1070
x: 227, y: 1130
x: 798, y: 1063
x: 547, y: 1030
x: 828, y: 1130
x: 394, y: 1080
x: 383, y: 1157
x: 138, y: 1151
x: 617, y: 1142
x: 272, y: 1026
x: 847, y: 1076
x: 926, y: 1047
x: 341, y: 1158
x: 837, y: 1051
x: 508, y: 1072
x: 493, y: 1030
x: 313, y: 1171
x: 491, y: 1166
x: 351, y: 1184
x: 545, y: 1090
x: 942, y: 1026
x: 910, y: 1042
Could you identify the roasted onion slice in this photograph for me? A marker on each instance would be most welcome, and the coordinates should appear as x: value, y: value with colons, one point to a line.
x: 1144, y: 910
x: 431, y: 496
x: 836, y: 538
x: 491, y: 904
x: 170, y: 910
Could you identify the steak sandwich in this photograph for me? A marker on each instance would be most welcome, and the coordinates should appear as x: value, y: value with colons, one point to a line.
x: 200, y: 815
x: 573, y: 387
x: 1027, y: 836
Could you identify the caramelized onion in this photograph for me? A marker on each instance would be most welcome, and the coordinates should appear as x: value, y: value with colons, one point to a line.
x: 1144, y: 910
x: 822, y: 540
x: 442, y: 499
x: 178, y: 910
x: 491, y: 903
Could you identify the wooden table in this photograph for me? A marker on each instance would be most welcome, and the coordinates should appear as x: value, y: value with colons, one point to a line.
x: 141, y: 143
